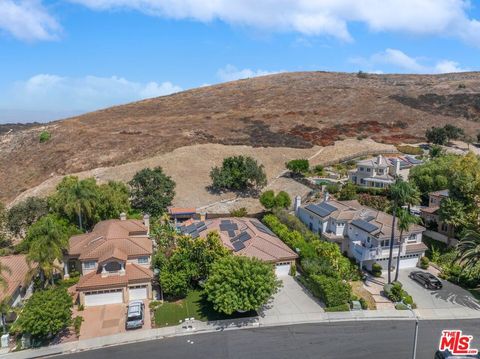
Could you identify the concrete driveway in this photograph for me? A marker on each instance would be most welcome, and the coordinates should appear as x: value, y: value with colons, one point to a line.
x: 291, y: 302
x: 450, y: 296
x: 108, y: 319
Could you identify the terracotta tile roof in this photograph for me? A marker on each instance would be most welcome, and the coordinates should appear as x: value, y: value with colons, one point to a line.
x: 128, y: 236
x: 113, y: 253
x: 15, y: 277
x: 430, y: 210
x: 417, y: 247
x: 133, y: 274
x: 261, y: 244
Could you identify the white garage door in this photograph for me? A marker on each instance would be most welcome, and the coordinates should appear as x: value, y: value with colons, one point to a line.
x: 409, y: 262
x: 138, y: 292
x: 103, y: 297
x: 282, y: 269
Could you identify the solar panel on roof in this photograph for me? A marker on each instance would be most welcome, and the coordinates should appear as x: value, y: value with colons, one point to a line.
x: 320, y: 211
x: 244, y: 236
x: 262, y: 228
x: 231, y: 234
x: 367, y: 227
x: 238, y: 246
x: 228, y: 226
x: 201, y: 226
x: 194, y: 234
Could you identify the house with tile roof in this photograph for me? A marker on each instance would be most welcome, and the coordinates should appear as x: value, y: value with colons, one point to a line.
x: 18, y: 286
x: 246, y: 237
x: 430, y: 214
x: 114, y: 261
x: 362, y: 232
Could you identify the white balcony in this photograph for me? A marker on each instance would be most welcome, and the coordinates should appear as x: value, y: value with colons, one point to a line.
x: 364, y: 253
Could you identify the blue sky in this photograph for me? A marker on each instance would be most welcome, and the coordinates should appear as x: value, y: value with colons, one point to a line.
x: 63, y: 57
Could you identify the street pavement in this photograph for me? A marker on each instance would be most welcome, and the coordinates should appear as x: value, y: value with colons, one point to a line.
x: 360, y: 340
x: 450, y: 297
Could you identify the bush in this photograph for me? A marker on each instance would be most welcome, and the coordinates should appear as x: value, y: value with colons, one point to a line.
x: 44, y: 136
x: 424, y: 262
x: 347, y: 192
x: 363, y: 303
x: 81, y: 308
x: 238, y: 173
x: 410, y: 150
x: 77, y: 324
x: 298, y: 166
x: 332, y: 291
x: 318, y: 170
x: 293, y: 270
x: 376, y: 270
x: 401, y: 306
x: 408, y: 300
x: 338, y: 308
x: 393, y: 291
x: 380, y: 203
x: 239, y: 212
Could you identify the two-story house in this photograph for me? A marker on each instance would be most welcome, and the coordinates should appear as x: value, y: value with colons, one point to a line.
x: 114, y: 261
x: 362, y: 232
x: 375, y: 172
x: 430, y: 214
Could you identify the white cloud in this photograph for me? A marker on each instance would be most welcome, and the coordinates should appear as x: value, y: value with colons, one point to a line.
x: 405, y: 63
x: 231, y: 73
x: 313, y: 17
x: 46, y: 92
x: 27, y: 20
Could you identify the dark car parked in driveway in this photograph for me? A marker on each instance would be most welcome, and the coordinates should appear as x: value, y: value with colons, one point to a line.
x: 428, y: 280
x: 447, y: 355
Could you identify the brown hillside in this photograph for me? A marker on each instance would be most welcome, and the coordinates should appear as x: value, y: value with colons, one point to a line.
x: 296, y: 110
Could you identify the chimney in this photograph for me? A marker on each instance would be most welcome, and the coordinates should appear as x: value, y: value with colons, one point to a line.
x: 123, y: 216
x: 297, y: 203
x: 146, y: 222
x: 396, y: 167
x: 326, y: 197
x: 379, y: 159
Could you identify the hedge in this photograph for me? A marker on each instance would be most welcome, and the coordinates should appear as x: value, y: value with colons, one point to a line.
x: 338, y: 308
x: 331, y: 291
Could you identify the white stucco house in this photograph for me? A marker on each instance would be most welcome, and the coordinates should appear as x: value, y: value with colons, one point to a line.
x: 362, y: 232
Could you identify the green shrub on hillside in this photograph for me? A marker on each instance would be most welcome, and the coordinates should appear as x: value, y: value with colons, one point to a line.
x: 44, y: 136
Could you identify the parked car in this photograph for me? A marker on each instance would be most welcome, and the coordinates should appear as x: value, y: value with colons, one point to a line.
x: 428, y: 280
x: 447, y: 355
x: 135, y: 315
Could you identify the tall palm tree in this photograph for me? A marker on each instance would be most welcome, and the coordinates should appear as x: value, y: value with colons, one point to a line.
x: 405, y: 220
x: 401, y: 193
x: 48, y: 239
x: 469, y: 249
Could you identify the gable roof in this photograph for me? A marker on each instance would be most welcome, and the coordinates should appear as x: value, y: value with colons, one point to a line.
x: 15, y: 276
x: 249, y: 237
x: 377, y: 162
x: 121, y: 238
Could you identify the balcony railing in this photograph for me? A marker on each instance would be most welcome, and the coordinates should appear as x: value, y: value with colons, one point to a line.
x: 363, y: 253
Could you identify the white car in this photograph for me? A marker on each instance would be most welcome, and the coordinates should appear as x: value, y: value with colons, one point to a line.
x: 135, y: 315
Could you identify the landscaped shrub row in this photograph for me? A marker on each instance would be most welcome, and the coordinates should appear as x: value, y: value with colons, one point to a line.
x: 397, y: 294
x: 325, y: 269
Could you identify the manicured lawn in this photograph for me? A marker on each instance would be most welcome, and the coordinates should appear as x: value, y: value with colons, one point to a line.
x: 193, y: 306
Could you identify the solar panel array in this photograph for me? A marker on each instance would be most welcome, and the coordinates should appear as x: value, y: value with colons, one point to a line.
x: 367, y: 227
x: 262, y: 228
x: 193, y: 229
x: 226, y: 225
x: 322, y: 209
x: 238, y: 246
x: 242, y: 237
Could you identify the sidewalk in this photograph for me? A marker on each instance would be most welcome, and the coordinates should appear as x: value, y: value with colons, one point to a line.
x: 204, y: 327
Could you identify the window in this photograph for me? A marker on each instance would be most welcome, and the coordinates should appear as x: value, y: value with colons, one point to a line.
x: 369, y: 169
x: 361, y: 169
x: 412, y: 238
x: 142, y: 260
x: 89, y: 264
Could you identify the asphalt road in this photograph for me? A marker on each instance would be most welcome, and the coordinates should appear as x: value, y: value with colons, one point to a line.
x: 370, y: 339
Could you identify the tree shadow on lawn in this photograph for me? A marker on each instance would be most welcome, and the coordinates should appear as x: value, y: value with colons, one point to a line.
x: 207, y: 313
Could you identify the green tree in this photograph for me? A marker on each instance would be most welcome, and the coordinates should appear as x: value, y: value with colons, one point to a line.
x: 5, y: 308
x: 45, y: 314
x: 114, y: 198
x: 152, y: 191
x: 437, y: 135
x: 78, y: 199
x: 468, y: 249
x: 405, y: 221
x: 298, y: 166
x: 464, y: 183
x: 401, y: 193
x: 23, y: 214
x: 453, y: 132
x: 436, y: 151
x: 239, y: 283
x: 452, y: 212
x: 4, y: 237
x: 282, y: 200
x: 267, y: 199
x: 347, y: 192
x: 44, y: 243
x: 238, y: 173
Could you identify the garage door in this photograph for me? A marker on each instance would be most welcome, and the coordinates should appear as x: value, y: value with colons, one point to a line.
x: 103, y: 297
x: 282, y: 269
x: 138, y: 292
x: 409, y: 262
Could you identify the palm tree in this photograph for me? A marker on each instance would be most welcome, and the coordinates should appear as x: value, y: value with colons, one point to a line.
x: 5, y: 308
x: 47, y: 240
x: 402, y: 193
x: 452, y: 213
x: 469, y: 249
x: 405, y: 220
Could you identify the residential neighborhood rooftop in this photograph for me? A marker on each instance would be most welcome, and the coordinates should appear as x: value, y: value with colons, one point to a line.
x: 15, y: 276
